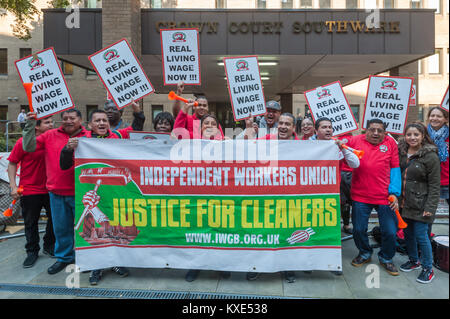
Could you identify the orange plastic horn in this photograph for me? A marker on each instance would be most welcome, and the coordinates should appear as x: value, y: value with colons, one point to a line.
x: 9, y: 211
x: 401, y: 222
x: 28, y: 88
x: 358, y: 153
x: 174, y: 96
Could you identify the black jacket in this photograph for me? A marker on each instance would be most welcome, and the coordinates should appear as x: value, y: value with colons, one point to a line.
x: 420, y: 182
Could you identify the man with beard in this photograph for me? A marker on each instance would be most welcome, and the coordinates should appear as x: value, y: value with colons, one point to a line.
x: 60, y: 183
x: 267, y: 125
x: 191, y: 123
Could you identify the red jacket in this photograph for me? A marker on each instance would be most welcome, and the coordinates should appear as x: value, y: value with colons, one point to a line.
x: 186, y: 121
x: 60, y: 182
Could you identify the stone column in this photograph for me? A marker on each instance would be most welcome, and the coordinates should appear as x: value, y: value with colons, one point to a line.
x: 122, y: 19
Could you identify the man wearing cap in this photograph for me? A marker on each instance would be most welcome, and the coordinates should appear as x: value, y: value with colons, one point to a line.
x: 267, y: 125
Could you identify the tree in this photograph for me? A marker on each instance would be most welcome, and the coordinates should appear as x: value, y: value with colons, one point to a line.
x: 24, y: 11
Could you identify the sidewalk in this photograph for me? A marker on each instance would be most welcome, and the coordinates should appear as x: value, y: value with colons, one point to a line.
x: 318, y: 284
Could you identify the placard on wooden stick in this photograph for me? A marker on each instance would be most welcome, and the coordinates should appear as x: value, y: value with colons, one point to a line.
x: 181, y: 56
x: 245, y: 87
x: 329, y: 101
x: 387, y: 99
x: 50, y: 94
x: 121, y: 73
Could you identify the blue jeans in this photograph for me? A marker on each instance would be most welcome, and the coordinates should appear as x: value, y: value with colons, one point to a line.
x: 388, y: 226
x: 63, y: 214
x: 417, y: 234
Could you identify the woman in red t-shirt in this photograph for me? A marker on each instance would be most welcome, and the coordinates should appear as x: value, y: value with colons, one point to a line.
x: 438, y: 130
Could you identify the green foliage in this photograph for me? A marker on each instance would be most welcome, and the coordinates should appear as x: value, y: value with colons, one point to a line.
x: 24, y: 11
x: 12, y: 139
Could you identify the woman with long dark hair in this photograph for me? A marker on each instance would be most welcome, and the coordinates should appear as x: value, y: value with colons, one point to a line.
x: 420, y: 166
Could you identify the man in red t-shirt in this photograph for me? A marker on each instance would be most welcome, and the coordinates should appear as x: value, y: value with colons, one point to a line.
x: 60, y: 183
x: 377, y: 177
x: 35, y: 194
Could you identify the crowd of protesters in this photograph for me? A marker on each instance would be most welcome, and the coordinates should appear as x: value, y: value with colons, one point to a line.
x: 413, y: 170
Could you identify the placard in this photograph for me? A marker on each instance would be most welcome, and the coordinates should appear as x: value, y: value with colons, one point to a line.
x: 181, y: 56
x: 50, y: 94
x: 388, y: 99
x: 444, y: 103
x: 330, y: 101
x: 121, y: 73
x: 245, y: 87
x: 140, y: 135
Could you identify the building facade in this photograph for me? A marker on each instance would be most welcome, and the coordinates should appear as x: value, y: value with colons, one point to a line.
x: 430, y: 73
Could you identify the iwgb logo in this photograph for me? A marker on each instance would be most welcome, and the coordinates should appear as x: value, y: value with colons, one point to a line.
x: 323, y: 93
x: 389, y: 85
x: 300, y: 236
x: 179, y: 37
x: 241, y: 65
x: 110, y: 55
x: 35, y: 63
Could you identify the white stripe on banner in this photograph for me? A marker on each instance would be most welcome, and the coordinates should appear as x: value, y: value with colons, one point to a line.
x: 190, y: 258
x: 203, y: 150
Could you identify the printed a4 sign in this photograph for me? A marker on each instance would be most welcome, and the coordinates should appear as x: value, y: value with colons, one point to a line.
x: 181, y: 56
x: 388, y: 100
x: 50, y: 94
x: 329, y: 101
x: 121, y: 73
x: 245, y: 87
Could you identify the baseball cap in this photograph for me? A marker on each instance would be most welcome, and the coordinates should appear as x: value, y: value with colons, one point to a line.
x: 273, y: 105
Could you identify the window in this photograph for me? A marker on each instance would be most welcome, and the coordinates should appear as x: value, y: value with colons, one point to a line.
x: 351, y: 4
x: 67, y: 68
x: 416, y: 4
x: 355, y: 111
x: 287, y: 4
x: 389, y: 4
x: 89, y: 109
x: 156, y: 109
x: 433, y: 63
x: 261, y: 4
x: 3, y: 61
x: 420, y: 113
x: 419, y: 69
x: 324, y: 4
x: 435, y: 4
x: 305, y: 4
x: 3, y: 112
x: 307, y: 111
x: 221, y: 4
x: 370, y: 4
x: 24, y: 52
x: 156, y: 4
x: 90, y: 3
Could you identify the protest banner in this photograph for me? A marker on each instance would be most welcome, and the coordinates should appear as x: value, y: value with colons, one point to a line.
x: 245, y: 87
x: 121, y: 73
x: 50, y: 94
x: 387, y: 99
x: 180, y: 50
x: 141, y: 135
x: 444, y: 103
x: 197, y: 204
x: 330, y: 101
